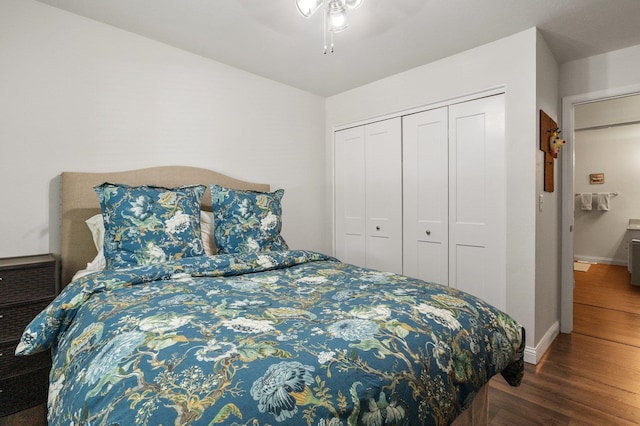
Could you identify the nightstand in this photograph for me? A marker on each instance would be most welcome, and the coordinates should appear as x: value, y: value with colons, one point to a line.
x: 27, y: 285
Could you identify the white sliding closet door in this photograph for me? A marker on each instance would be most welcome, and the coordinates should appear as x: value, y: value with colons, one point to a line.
x: 426, y: 195
x: 383, y: 161
x: 350, y: 196
x: 477, y: 199
x: 368, y: 182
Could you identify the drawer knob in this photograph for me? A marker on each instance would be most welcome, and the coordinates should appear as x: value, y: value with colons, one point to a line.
x: 428, y: 232
x: 377, y: 228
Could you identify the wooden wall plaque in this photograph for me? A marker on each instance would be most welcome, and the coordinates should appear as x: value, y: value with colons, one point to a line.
x: 547, y: 126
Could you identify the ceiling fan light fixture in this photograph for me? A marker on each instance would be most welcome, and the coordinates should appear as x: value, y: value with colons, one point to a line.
x: 308, y: 7
x: 353, y: 4
x: 336, y: 16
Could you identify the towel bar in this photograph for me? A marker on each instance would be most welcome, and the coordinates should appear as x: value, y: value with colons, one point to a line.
x: 613, y: 194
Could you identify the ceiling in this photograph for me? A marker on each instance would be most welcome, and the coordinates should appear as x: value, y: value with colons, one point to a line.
x: 271, y: 39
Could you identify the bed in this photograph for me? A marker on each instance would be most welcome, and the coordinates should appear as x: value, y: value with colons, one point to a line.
x: 249, y: 331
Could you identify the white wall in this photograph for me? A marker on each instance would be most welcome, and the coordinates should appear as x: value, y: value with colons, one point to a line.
x: 548, y: 209
x: 609, y: 112
x: 77, y: 95
x: 508, y: 63
x: 601, y: 236
x: 609, y: 73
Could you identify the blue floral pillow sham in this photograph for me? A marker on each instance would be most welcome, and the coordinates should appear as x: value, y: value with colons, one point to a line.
x: 247, y: 221
x: 149, y: 224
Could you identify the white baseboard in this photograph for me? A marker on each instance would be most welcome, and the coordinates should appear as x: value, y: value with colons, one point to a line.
x: 605, y: 260
x: 533, y: 355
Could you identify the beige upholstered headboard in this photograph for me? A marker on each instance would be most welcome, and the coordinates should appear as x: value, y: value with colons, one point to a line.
x: 80, y: 202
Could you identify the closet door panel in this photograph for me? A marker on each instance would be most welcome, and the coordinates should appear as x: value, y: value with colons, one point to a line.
x: 477, y: 219
x: 383, y: 195
x: 350, y: 196
x: 471, y: 269
x: 431, y: 263
x: 425, y: 195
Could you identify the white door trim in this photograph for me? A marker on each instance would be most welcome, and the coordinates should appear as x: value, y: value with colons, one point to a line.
x: 498, y: 90
x: 568, y: 125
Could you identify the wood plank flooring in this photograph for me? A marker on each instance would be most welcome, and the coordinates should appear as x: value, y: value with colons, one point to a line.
x: 590, y: 377
x: 606, y: 306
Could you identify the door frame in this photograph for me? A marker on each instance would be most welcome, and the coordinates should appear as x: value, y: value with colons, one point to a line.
x: 568, y: 199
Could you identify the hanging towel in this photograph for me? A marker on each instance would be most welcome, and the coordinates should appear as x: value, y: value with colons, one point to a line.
x: 586, y: 199
x: 602, y: 200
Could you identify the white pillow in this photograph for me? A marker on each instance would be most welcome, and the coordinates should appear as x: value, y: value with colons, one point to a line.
x: 97, y: 264
x: 206, y: 229
x: 96, y: 226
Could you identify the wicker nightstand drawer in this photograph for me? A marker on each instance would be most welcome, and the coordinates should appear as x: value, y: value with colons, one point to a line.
x: 14, y: 319
x: 18, y: 393
x: 27, y: 285
x: 28, y: 278
x: 11, y: 365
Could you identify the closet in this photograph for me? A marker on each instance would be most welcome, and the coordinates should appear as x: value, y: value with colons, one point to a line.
x: 425, y: 194
x: 368, y: 203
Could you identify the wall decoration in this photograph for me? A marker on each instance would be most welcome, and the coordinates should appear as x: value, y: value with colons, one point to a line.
x: 596, y: 178
x: 550, y: 144
x: 555, y: 142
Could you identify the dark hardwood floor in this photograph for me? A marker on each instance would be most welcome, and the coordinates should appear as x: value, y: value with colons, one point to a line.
x: 36, y: 416
x: 590, y: 377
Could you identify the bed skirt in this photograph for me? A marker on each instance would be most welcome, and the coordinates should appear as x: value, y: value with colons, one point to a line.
x: 478, y: 413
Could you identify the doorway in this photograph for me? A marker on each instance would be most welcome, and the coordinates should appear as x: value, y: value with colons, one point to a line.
x: 569, y: 197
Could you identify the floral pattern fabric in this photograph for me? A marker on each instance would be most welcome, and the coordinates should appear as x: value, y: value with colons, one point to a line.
x: 247, y: 221
x: 150, y: 224
x: 269, y: 338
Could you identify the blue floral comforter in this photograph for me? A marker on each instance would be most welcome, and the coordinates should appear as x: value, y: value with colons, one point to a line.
x: 291, y: 337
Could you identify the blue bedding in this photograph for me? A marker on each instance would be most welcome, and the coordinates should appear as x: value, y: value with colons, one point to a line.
x: 289, y: 337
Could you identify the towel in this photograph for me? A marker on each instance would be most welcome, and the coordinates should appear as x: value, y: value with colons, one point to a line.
x: 602, y: 200
x: 586, y: 199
